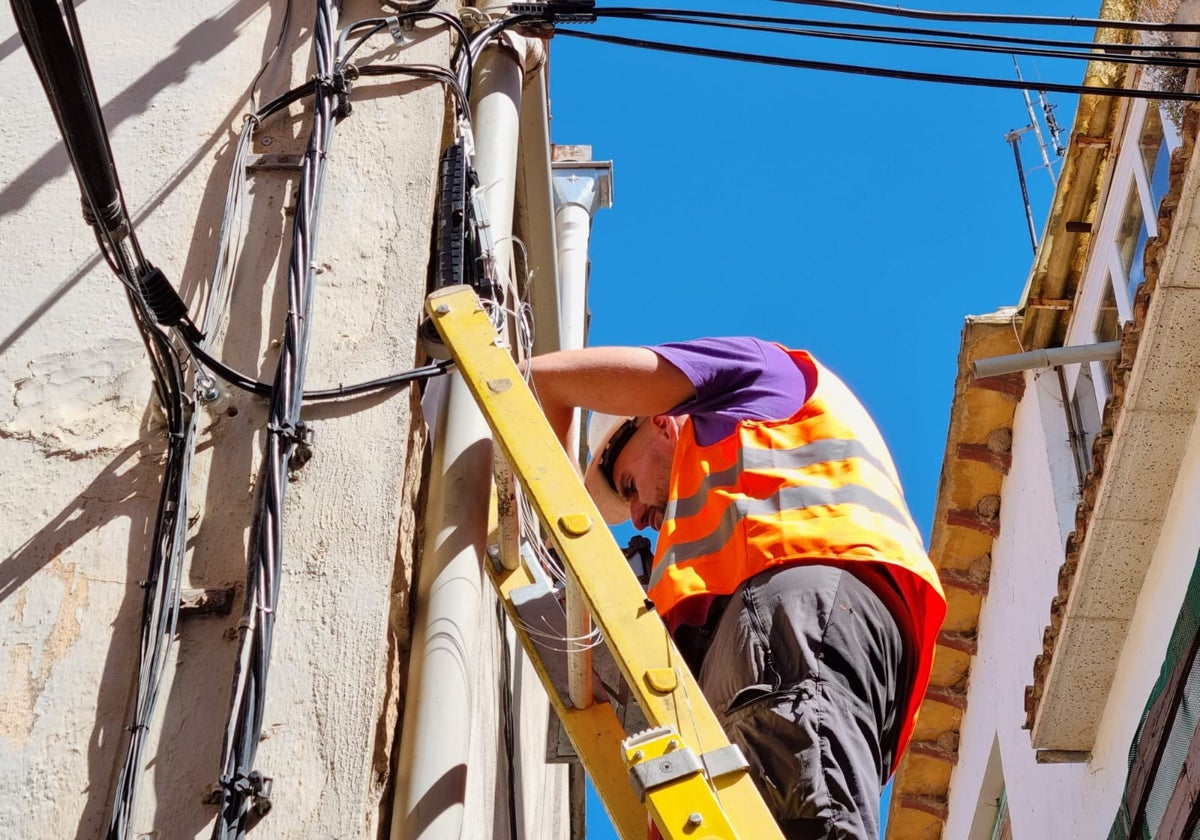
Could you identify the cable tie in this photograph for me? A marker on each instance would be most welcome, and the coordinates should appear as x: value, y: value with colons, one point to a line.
x: 467, y: 136
x: 252, y: 118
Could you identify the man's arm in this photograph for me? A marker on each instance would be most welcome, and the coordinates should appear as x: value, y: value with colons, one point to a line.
x: 634, y: 381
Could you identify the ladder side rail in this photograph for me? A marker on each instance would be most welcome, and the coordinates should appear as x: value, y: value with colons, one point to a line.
x: 663, y: 685
x: 595, y: 731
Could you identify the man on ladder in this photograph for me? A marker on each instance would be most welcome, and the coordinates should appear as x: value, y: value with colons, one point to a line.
x: 787, y: 569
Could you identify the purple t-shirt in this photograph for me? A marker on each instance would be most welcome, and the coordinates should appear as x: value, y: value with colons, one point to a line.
x: 735, y: 379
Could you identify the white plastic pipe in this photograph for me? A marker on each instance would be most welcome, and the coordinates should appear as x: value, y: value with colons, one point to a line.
x: 576, y: 197
x: 1053, y: 357
x: 535, y: 209
x: 435, y: 746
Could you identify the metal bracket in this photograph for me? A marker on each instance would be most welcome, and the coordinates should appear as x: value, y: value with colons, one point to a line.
x: 676, y: 761
x: 262, y: 162
x: 723, y: 761
x: 218, y: 601
x: 668, y: 762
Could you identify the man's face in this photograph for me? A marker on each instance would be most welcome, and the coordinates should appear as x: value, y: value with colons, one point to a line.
x: 642, y: 471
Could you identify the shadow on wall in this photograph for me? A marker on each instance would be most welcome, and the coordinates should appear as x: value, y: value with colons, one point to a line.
x: 128, y: 487
x: 202, y: 43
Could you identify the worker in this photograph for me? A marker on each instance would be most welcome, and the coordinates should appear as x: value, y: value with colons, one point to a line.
x: 787, y: 569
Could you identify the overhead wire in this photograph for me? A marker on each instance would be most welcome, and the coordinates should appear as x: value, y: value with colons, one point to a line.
x: 1151, y: 54
x: 650, y: 13
x: 989, y: 17
x: 864, y: 70
x: 1085, y: 52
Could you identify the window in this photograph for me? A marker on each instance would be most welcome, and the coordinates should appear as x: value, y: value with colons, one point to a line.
x: 1002, y: 828
x: 1116, y: 263
x: 1131, y: 241
x: 991, y: 820
x: 1158, y: 755
x: 1107, y: 328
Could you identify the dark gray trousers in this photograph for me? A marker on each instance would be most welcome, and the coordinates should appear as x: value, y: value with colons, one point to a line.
x: 805, y: 670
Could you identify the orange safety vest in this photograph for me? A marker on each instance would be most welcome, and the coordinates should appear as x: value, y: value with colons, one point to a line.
x: 817, y: 487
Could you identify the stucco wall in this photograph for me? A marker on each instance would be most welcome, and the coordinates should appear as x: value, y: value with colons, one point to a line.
x: 80, y: 441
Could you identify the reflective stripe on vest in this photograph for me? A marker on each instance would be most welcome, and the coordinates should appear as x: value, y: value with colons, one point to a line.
x: 787, y: 499
x: 759, y: 460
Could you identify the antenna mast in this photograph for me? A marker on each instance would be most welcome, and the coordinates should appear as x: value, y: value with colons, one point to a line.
x: 1014, y: 138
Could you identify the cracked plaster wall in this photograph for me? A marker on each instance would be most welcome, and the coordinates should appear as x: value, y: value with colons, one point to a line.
x: 81, y: 447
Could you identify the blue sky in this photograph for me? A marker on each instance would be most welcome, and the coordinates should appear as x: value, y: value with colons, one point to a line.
x: 859, y: 218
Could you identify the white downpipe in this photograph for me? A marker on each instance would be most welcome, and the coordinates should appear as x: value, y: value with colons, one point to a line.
x: 573, y: 223
x: 536, y: 208
x: 435, y: 745
x: 434, y: 749
x: 577, y: 194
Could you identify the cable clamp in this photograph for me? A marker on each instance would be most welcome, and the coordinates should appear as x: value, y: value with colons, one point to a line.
x: 165, y: 304
x: 300, y: 439
x: 340, y: 83
x: 397, y: 31
x: 254, y: 785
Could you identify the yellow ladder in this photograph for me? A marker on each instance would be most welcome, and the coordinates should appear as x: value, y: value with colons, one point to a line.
x: 682, y: 770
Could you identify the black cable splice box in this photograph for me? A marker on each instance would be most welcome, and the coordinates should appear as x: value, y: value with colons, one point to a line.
x: 558, y: 11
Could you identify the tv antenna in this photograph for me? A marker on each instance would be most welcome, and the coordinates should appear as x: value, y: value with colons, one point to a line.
x: 1014, y: 139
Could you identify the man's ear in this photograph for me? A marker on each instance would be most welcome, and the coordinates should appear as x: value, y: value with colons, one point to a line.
x: 667, y: 425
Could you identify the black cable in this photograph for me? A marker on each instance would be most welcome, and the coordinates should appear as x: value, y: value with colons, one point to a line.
x: 1090, y: 53
x: 57, y: 51
x: 983, y: 17
x: 436, y: 74
x: 506, y: 717
x: 461, y: 49
x: 910, y: 75
x: 263, y: 389
x: 244, y: 790
x: 60, y: 70
x: 636, y: 13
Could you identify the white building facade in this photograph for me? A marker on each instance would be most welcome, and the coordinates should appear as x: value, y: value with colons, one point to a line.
x: 1075, y: 706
